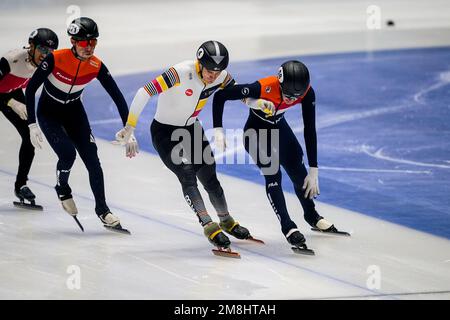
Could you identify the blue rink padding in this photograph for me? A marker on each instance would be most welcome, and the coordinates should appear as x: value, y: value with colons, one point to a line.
x: 383, y: 124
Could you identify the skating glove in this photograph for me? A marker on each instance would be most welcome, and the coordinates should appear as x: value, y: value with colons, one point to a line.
x: 264, y: 105
x: 124, y: 134
x: 126, y: 137
x: 311, y: 184
x: 19, y: 108
x: 35, y: 136
x: 219, y: 139
x: 131, y: 147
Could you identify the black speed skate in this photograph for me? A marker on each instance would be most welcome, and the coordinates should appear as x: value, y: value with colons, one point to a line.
x: 233, y: 228
x: 216, y: 237
x: 24, y: 194
x: 295, y: 238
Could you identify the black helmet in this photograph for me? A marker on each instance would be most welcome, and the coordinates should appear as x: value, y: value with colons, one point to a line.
x: 44, y: 37
x: 213, y: 55
x: 83, y: 29
x: 294, y: 78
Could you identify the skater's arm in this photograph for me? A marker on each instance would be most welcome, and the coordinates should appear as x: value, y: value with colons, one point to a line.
x: 15, y: 103
x: 160, y: 84
x: 4, y: 68
x: 107, y: 81
x: 234, y: 92
x: 38, y: 78
x: 309, y: 121
x: 228, y: 82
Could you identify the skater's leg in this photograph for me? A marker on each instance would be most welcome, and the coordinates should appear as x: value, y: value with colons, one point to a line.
x: 186, y: 175
x: 184, y: 170
x: 272, y: 175
x: 274, y: 192
x: 208, y: 177
x: 206, y: 173
x: 26, y: 151
x: 177, y: 159
x: 26, y: 156
x: 64, y: 149
x: 80, y: 133
x: 291, y: 158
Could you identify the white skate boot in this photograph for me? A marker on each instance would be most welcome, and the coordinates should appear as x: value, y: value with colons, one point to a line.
x: 70, y: 207
x: 111, y: 222
x: 325, y: 226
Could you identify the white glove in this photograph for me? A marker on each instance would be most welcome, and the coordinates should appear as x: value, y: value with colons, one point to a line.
x: 35, y: 136
x: 19, y: 108
x: 219, y: 139
x: 266, y: 106
x: 126, y: 137
x: 131, y: 147
x: 124, y: 134
x: 311, y: 184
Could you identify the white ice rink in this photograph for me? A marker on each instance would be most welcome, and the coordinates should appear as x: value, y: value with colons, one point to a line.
x: 167, y: 256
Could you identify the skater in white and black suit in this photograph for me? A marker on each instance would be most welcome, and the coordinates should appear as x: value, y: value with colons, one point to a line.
x: 16, y: 69
x: 183, y: 91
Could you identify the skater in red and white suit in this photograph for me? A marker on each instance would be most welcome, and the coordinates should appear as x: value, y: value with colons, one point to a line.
x: 16, y: 69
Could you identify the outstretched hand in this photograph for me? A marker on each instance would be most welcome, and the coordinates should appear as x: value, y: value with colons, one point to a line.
x: 219, y: 139
x: 36, y: 136
x: 311, y: 184
x: 126, y: 137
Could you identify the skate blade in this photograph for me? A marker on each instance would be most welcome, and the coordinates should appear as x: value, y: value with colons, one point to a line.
x: 255, y: 240
x: 28, y: 206
x: 338, y: 233
x: 304, y: 251
x: 118, y: 229
x: 227, y: 253
x: 78, y: 223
